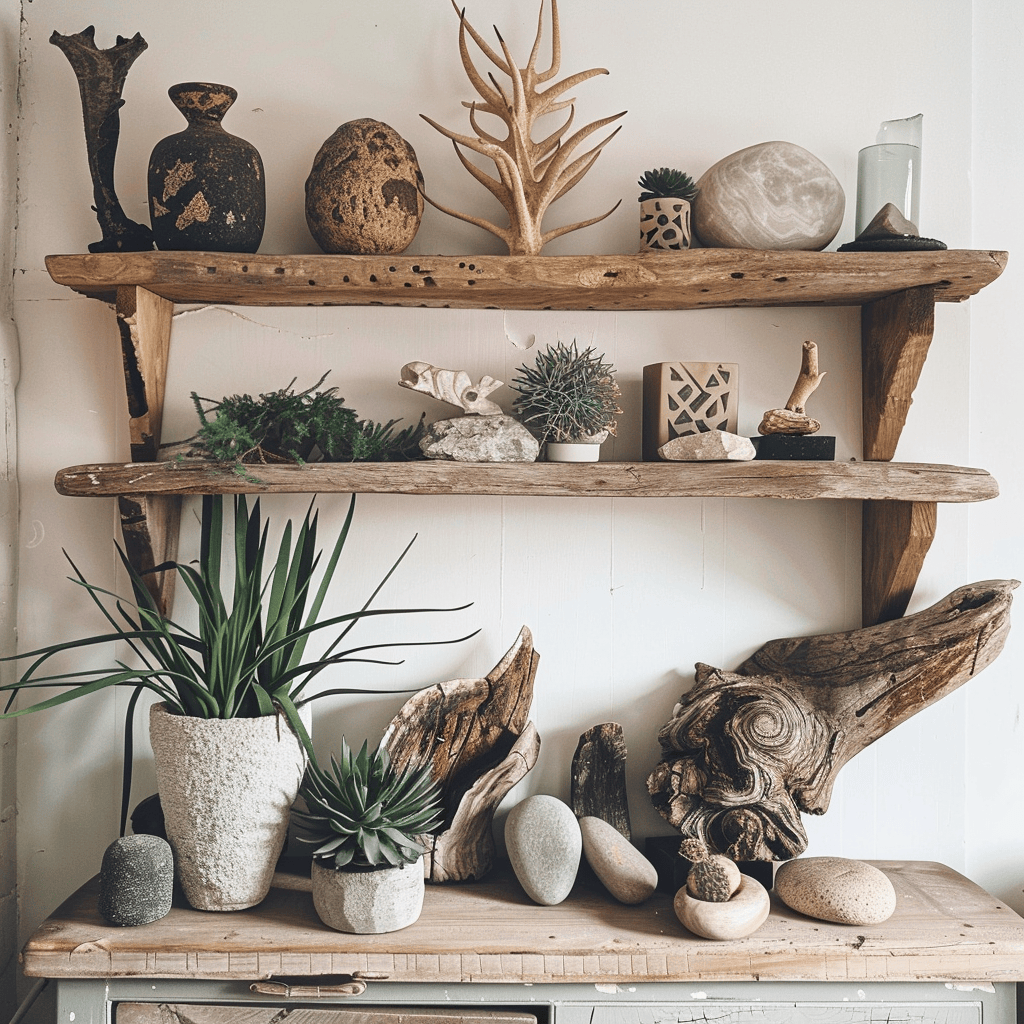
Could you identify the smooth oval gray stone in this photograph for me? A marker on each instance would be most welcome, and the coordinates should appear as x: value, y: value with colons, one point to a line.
x: 623, y: 870
x: 136, y: 880
x: 544, y: 844
x: 836, y: 889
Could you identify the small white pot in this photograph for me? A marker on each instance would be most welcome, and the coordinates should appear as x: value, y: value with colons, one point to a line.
x: 588, y: 450
x: 368, y: 902
x: 226, y: 788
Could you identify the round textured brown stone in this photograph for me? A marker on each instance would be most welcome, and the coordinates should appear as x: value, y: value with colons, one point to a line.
x: 775, y: 195
x: 364, y: 193
x: 836, y: 889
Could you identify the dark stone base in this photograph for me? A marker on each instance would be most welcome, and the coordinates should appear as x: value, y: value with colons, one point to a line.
x: 810, y: 447
x: 898, y: 243
x: 663, y: 853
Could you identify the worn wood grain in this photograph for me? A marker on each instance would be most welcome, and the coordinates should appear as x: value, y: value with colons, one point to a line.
x: 746, y: 752
x: 896, y: 332
x: 198, y: 1013
x: 883, y: 481
x: 597, y: 783
x: 490, y: 931
x: 699, y: 279
x: 895, y: 537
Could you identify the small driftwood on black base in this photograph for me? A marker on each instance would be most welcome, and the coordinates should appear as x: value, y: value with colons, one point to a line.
x: 475, y: 735
x: 598, y: 782
x: 101, y: 76
x: 747, y: 751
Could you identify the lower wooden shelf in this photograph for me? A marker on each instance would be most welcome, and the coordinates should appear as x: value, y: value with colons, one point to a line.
x: 877, y: 481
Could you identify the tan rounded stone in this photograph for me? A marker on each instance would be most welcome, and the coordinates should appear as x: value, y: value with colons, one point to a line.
x: 622, y: 869
x: 741, y: 915
x: 775, y: 195
x: 364, y: 193
x: 836, y: 889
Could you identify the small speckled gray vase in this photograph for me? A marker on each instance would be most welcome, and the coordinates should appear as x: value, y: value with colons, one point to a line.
x: 226, y: 787
x: 368, y: 902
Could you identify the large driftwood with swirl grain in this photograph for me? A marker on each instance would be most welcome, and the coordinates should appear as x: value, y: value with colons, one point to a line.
x: 475, y: 735
x: 745, y: 752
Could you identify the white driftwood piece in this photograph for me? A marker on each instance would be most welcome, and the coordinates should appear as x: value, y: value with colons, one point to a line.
x: 452, y: 386
x: 745, y: 752
x: 531, y: 175
x: 475, y: 736
x: 793, y: 419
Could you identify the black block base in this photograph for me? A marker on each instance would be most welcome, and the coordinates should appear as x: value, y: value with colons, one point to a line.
x: 662, y: 852
x: 809, y: 447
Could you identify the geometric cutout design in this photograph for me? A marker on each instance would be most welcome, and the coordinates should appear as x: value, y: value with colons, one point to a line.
x: 665, y: 224
x: 681, y: 399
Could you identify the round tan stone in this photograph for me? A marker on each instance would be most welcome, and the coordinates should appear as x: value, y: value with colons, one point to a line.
x: 622, y: 869
x: 364, y: 193
x: 775, y: 195
x: 836, y: 889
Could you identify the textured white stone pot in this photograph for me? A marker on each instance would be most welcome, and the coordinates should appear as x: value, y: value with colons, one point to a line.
x: 368, y: 902
x: 226, y: 788
x: 588, y: 450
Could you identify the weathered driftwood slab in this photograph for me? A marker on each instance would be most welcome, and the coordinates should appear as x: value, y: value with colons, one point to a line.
x: 598, y: 777
x: 491, y: 932
x: 746, y: 751
x: 475, y: 735
x: 705, y: 279
x: 882, y: 481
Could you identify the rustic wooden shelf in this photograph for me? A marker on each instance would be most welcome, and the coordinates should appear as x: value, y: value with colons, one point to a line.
x: 945, y: 928
x: 875, y: 481
x: 696, y: 279
x: 897, y: 293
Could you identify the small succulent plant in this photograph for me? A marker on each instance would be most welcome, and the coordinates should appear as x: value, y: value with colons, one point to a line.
x: 364, y: 812
x: 666, y: 183
x: 567, y: 395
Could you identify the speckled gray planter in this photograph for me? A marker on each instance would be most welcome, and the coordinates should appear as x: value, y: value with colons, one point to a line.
x: 368, y: 902
x: 226, y: 787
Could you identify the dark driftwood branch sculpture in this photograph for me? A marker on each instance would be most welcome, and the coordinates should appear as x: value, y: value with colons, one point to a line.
x: 597, y: 786
x: 475, y: 735
x: 746, y: 751
x: 101, y: 76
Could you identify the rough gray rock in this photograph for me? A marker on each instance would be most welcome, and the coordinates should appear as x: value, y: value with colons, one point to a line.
x: 623, y: 870
x: 136, y: 880
x: 480, y: 439
x: 836, y: 889
x: 544, y: 843
x: 368, y: 902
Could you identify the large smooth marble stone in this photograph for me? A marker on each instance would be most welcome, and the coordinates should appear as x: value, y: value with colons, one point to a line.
x: 622, y: 869
x: 544, y: 844
x: 836, y: 889
x: 775, y: 195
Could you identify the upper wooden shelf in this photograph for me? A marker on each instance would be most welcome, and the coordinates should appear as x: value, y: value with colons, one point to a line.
x: 945, y: 928
x: 697, y: 279
x: 882, y: 481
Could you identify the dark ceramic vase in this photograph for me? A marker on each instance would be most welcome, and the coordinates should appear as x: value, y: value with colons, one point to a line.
x: 207, y: 191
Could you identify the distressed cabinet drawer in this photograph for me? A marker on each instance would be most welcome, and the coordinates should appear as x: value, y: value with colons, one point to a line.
x: 768, y: 1012
x: 197, y: 1013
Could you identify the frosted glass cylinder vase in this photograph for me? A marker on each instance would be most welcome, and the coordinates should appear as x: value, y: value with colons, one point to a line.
x: 888, y: 173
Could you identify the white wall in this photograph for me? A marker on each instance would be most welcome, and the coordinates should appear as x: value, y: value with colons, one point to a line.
x: 623, y: 595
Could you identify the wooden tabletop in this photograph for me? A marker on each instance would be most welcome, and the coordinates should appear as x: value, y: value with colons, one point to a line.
x: 945, y: 928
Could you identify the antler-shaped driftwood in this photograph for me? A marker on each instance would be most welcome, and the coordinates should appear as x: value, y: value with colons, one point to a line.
x: 531, y: 175
x: 746, y: 751
x: 475, y: 735
x: 793, y: 419
x: 101, y: 76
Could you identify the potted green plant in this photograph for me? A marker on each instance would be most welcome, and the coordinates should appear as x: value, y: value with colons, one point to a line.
x: 569, y: 400
x: 231, y: 692
x: 363, y: 817
x: 665, y: 209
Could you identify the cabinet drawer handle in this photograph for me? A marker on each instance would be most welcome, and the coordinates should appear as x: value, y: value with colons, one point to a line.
x: 349, y: 985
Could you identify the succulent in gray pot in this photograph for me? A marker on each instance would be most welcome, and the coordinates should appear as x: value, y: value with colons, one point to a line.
x: 665, y: 209
x: 568, y: 400
x: 228, y: 736
x: 363, y: 816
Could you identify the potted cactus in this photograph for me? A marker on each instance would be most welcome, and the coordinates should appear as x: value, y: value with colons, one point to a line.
x: 665, y: 209
x: 363, y: 817
x: 569, y: 400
